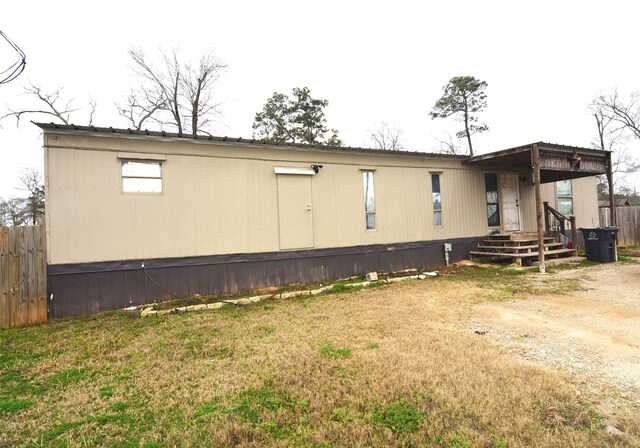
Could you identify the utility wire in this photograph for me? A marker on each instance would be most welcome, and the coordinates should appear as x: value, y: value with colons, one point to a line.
x: 158, y: 284
x: 14, y: 70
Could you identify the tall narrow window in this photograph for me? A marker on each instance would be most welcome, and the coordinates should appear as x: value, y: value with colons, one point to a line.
x: 141, y: 177
x: 493, y: 209
x: 369, y: 200
x: 564, y: 191
x: 437, y: 199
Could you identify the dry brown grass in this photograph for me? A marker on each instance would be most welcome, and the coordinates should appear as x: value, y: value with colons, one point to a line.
x: 335, y: 370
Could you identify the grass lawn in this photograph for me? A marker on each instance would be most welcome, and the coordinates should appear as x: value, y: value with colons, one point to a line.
x: 384, y: 366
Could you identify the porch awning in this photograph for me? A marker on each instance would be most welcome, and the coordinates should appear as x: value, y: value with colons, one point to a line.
x: 557, y: 162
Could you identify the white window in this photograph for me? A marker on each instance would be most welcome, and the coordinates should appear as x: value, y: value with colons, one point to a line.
x: 437, y: 199
x: 369, y: 200
x: 141, y: 176
x: 564, y: 192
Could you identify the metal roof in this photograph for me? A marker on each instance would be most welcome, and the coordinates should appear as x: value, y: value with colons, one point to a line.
x: 517, y: 158
x: 520, y: 159
x: 94, y: 130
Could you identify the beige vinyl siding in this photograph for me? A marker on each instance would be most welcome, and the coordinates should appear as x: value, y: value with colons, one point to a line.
x: 585, y: 200
x: 222, y: 198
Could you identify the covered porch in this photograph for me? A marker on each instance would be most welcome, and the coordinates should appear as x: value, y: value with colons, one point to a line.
x: 547, y: 163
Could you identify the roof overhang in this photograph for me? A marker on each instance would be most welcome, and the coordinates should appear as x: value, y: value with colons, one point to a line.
x: 557, y: 162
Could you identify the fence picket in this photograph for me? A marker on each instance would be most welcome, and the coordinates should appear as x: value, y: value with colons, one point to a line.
x: 23, y: 281
x: 628, y: 221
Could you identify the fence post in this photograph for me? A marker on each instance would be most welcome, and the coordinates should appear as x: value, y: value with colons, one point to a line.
x: 4, y: 277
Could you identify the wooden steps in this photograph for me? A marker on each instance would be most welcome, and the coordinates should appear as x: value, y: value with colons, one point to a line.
x: 519, y: 248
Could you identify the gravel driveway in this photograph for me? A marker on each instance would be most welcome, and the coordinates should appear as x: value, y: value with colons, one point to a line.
x: 592, y: 334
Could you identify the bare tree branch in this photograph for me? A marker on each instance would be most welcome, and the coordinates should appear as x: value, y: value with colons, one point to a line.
x: 93, y: 105
x: 626, y: 114
x: 51, y: 101
x: 196, y: 87
x: 52, y: 105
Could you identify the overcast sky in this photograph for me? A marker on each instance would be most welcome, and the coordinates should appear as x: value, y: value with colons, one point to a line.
x: 374, y: 61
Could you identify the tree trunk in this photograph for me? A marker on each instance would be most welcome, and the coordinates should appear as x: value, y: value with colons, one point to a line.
x: 466, y: 126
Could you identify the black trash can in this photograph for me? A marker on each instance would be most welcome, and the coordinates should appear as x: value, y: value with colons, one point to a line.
x: 600, y: 243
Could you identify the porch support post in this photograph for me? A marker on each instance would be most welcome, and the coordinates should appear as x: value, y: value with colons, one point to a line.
x: 612, y: 203
x: 535, y: 155
x: 574, y: 235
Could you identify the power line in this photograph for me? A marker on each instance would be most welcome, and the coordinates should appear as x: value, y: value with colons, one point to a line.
x: 14, y: 70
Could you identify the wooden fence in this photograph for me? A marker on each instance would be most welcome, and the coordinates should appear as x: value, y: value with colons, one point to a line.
x: 628, y: 220
x: 23, y: 276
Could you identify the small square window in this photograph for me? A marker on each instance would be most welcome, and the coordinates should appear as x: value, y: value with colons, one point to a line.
x: 141, y: 176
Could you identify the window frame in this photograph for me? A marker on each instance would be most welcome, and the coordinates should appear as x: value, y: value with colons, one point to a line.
x: 436, y: 211
x: 369, y: 212
x: 123, y: 176
x: 565, y: 196
x: 496, y: 203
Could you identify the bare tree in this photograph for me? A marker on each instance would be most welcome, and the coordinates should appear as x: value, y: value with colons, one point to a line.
x: 175, y: 93
x: 387, y: 137
x: 625, y: 114
x: 447, y: 145
x: 29, y: 210
x: 613, y: 137
x: 12, y: 212
x: 196, y: 87
x: 33, y: 206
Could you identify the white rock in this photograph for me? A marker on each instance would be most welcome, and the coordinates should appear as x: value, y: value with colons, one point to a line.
x: 231, y: 301
x: 372, y: 276
x: 244, y: 302
x: 614, y: 431
x: 255, y: 299
x: 214, y: 306
x: 146, y: 311
x: 315, y: 292
x: 288, y: 295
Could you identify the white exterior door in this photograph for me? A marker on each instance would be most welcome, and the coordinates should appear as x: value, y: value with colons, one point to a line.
x: 294, y: 211
x: 510, y: 202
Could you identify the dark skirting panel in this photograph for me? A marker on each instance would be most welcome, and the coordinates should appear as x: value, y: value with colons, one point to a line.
x: 89, y: 288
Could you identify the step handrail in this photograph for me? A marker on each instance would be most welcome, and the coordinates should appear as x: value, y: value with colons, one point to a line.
x: 548, y: 210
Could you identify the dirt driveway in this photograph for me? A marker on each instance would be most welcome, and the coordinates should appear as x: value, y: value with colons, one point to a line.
x: 592, y: 333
